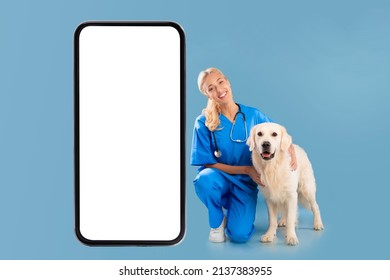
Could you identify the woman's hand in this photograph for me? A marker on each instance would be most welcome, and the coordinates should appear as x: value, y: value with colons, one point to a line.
x: 251, y: 171
x: 293, y: 162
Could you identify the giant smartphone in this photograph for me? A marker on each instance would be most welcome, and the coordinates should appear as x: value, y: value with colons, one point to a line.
x: 129, y: 133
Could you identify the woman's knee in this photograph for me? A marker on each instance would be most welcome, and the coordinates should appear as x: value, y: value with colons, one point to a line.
x: 240, y: 234
x: 207, y: 180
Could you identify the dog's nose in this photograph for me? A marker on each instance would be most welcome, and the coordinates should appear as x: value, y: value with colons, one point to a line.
x: 266, y: 145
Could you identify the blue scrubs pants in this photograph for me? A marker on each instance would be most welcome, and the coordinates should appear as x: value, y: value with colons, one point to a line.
x: 216, y: 191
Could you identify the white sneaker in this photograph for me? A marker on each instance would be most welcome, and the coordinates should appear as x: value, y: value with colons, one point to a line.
x: 217, y: 235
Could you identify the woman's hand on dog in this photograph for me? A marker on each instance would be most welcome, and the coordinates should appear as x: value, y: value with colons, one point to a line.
x: 293, y: 162
x: 255, y: 176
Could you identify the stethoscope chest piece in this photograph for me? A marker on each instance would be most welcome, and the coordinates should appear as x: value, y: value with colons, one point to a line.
x: 217, y: 152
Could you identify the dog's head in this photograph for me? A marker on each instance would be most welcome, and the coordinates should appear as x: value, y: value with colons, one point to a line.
x: 267, y: 139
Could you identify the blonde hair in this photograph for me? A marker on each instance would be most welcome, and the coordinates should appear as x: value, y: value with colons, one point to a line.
x: 212, y: 109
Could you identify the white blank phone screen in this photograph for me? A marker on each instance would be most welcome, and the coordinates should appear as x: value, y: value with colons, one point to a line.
x: 129, y: 133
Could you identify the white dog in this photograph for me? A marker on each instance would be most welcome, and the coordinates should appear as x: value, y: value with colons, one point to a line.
x: 283, y: 188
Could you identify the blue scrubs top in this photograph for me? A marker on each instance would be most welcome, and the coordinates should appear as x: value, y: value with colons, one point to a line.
x: 233, y: 153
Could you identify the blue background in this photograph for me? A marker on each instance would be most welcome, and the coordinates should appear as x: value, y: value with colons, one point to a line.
x: 321, y: 69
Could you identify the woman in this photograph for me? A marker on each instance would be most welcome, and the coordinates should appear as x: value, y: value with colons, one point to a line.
x: 226, y: 178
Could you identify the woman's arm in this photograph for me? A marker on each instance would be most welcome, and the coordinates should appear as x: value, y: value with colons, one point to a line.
x: 230, y: 169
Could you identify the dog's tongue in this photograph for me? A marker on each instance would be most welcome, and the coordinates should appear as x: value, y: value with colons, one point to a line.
x: 266, y: 155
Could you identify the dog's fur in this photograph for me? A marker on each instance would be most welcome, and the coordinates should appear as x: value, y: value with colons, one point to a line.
x: 283, y: 188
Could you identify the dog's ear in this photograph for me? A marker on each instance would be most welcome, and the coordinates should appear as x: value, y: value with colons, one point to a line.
x: 286, y: 141
x: 251, y: 139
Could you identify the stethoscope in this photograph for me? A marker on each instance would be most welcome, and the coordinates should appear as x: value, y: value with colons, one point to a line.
x: 217, y: 152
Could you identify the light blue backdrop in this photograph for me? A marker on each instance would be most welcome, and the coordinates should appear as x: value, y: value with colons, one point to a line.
x: 320, y: 68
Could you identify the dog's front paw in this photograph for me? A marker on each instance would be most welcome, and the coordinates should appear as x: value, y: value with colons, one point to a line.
x: 282, y: 223
x: 292, y: 240
x: 318, y: 226
x: 267, y: 238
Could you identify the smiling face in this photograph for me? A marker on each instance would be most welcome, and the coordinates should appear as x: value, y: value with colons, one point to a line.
x: 217, y: 87
x: 267, y: 139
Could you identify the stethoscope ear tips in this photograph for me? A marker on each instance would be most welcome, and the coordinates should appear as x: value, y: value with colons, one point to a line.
x: 217, y: 153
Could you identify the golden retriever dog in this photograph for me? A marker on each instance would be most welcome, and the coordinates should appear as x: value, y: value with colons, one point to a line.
x: 283, y: 188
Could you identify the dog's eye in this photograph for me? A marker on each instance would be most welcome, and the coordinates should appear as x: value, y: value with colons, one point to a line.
x: 260, y: 133
x: 274, y: 134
